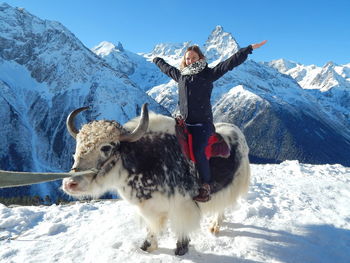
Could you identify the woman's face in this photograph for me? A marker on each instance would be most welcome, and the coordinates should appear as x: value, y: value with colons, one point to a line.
x: 191, y: 57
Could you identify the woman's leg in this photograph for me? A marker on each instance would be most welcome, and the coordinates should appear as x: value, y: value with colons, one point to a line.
x: 200, y: 136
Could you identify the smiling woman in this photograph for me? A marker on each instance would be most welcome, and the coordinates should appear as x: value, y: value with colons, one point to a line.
x: 195, y: 82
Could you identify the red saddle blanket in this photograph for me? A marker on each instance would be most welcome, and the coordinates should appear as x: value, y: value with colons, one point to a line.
x: 217, y: 147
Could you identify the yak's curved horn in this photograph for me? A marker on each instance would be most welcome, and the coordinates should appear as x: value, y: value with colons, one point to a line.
x: 70, y: 121
x: 140, y: 129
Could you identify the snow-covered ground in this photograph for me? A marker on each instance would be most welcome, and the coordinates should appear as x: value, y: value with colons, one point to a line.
x: 292, y: 213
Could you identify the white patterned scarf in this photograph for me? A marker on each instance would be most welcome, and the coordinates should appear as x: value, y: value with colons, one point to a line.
x: 194, y: 68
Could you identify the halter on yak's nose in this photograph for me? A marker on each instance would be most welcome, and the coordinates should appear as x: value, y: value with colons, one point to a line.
x: 135, y: 135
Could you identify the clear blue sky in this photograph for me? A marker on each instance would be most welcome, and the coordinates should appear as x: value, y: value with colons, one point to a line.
x: 305, y: 31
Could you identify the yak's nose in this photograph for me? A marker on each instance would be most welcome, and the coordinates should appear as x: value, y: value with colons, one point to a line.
x: 71, y: 185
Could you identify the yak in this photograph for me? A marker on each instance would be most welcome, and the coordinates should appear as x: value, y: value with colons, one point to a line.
x: 143, y: 162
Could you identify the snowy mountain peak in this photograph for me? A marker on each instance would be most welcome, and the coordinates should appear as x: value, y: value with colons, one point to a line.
x: 282, y: 64
x: 328, y: 78
x: 19, y: 24
x: 105, y: 48
x: 220, y: 45
x: 329, y: 64
x: 313, y: 77
x: 173, y: 53
x: 138, y: 68
x: 48, y: 49
x: 170, y: 50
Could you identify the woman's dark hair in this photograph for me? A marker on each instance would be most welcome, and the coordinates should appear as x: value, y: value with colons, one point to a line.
x: 194, y: 48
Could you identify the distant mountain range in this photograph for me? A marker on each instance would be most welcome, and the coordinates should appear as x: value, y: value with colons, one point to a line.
x: 285, y: 109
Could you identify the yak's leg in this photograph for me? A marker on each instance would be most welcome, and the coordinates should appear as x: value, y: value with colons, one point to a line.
x: 216, y: 223
x: 151, y: 242
x: 184, y: 219
x: 155, y: 223
x: 182, y: 246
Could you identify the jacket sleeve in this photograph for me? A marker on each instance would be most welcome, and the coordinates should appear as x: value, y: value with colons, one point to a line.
x: 236, y: 59
x: 169, y: 70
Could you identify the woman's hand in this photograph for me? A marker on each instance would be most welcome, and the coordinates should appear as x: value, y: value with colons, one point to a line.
x: 255, y: 46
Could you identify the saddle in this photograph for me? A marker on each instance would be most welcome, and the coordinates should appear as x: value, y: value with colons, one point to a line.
x: 217, y: 147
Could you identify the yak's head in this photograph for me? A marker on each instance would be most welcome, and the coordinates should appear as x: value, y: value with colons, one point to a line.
x: 97, y: 148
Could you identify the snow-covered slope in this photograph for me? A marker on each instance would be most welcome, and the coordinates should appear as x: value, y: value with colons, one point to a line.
x: 45, y: 72
x: 323, y: 78
x: 329, y: 85
x: 293, y: 213
x: 138, y: 69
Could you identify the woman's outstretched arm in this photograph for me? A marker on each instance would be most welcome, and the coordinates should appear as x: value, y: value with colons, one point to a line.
x: 235, y: 60
x: 169, y: 70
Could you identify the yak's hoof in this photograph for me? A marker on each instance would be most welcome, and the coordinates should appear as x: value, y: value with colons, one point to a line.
x: 148, y: 246
x: 182, y: 247
x: 145, y: 245
x: 180, y: 251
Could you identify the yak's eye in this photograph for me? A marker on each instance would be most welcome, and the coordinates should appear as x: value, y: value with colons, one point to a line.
x: 106, y: 148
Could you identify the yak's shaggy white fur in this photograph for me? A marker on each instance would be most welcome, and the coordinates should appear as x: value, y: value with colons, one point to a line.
x: 183, y: 213
x: 95, y: 133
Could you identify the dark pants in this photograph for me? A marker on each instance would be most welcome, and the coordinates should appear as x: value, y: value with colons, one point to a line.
x: 200, y: 134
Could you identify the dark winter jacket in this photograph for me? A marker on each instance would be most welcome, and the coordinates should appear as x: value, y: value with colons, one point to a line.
x: 195, y: 90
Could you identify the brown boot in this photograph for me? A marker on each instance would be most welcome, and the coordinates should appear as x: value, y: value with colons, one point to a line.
x: 204, y: 194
